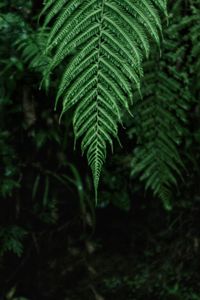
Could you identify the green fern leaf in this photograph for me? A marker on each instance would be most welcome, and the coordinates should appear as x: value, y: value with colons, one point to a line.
x: 195, y: 40
x: 31, y: 45
x: 108, y: 40
x: 160, y: 119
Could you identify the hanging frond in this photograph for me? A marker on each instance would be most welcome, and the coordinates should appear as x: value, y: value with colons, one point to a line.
x: 108, y: 40
x: 160, y: 119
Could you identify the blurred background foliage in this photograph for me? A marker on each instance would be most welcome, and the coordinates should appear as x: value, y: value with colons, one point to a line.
x: 143, y: 239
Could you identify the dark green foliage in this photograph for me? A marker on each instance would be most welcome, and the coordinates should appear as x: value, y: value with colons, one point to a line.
x: 26, y: 129
x: 195, y: 38
x: 161, y: 116
x: 31, y: 45
x: 8, y: 182
x: 142, y: 240
x: 12, y: 239
x: 11, y: 26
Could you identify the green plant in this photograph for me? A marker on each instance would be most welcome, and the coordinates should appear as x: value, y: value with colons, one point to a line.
x: 100, y: 75
x: 107, y: 42
x: 11, y: 238
x: 160, y: 124
x: 10, y: 295
x: 31, y: 45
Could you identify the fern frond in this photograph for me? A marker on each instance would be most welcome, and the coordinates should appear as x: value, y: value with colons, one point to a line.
x: 108, y: 40
x: 32, y: 46
x: 195, y: 39
x: 161, y: 118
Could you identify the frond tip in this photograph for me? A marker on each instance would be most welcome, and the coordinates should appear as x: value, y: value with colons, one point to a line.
x: 108, y: 40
